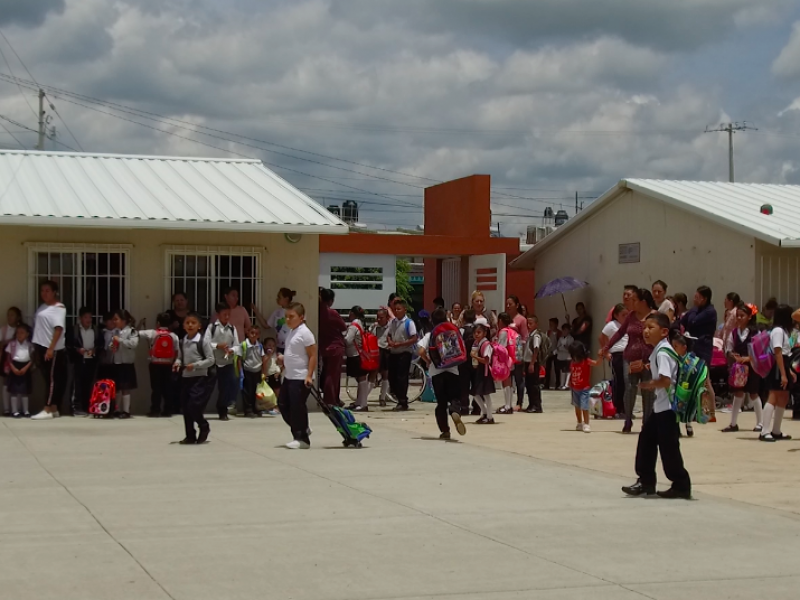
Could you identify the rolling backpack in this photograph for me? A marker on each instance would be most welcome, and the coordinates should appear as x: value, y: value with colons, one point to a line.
x: 101, y: 404
x: 601, y: 398
x: 500, y: 365
x: 690, y: 385
x: 762, y: 358
x: 446, y: 347
x: 163, y: 351
x: 369, y: 351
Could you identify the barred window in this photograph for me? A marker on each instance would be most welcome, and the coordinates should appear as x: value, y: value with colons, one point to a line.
x: 95, y: 276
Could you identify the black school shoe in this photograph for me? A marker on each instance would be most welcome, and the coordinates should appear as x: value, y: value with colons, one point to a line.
x: 673, y: 494
x: 637, y: 489
x: 400, y: 408
x: 781, y: 437
x: 203, y: 437
x: 187, y: 442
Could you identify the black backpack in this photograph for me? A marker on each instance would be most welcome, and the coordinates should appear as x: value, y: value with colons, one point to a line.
x: 469, y: 336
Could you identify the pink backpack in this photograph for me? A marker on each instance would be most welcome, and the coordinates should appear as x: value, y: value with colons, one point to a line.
x: 738, y: 375
x: 501, y: 362
x: 762, y: 359
x: 511, y: 344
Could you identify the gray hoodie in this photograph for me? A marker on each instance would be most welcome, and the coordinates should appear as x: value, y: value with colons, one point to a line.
x: 190, y: 354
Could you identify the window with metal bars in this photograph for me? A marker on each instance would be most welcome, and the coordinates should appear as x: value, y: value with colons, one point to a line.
x: 204, y: 275
x: 93, y: 276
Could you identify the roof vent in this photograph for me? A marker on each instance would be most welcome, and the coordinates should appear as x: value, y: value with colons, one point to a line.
x: 766, y: 209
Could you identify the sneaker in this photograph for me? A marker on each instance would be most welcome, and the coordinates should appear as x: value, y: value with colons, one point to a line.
x: 361, y: 409
x: 298, y: 445
x: 637, y: 489
x: 460, y: 427
x: 781, y: 437
x: 758, y: 428
x: 766, y: 437
x: 731, y: 429
x: 271, y: 413
x: 17, y: 415
x: 673, y: 494
x: 712, y: 419
x: 586, y: 428
x: 43, y: 416
x: 579, y: 427
x: 689, y: 431
x: 56, y: 414
x: 444, y: 435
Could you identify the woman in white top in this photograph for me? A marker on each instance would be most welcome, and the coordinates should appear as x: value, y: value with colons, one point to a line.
x: 48, y: 339
x: 7, y: 335
x: 353, y: 341
x: 664, y: 304
x: 619, y: 315
x: 780, y: 378
x: 277, y: 320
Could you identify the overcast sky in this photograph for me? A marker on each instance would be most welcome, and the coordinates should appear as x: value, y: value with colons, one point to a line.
x: 549, y: 97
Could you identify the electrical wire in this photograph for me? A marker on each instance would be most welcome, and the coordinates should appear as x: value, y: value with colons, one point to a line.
x: 15, y: 138
x: 8, y: 64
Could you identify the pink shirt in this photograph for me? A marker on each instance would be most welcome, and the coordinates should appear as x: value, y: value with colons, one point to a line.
x: 240, y: 319
x: 521, y: 325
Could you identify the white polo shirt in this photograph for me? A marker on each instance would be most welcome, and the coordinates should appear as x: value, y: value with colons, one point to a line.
x: 663, y: 365
x: 48, y: 318
x: 295, y: 357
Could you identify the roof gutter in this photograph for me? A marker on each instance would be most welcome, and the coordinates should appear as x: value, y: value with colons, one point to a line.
x: 165, y: 225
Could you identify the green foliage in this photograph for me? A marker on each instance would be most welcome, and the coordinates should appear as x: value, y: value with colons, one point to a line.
x: 404, y: 287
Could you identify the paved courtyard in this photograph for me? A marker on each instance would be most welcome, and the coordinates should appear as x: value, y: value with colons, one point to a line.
x: 94, y: 510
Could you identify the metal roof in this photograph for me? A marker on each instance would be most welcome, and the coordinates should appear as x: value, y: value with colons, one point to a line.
x: 154, y: 192
x: 733, y: 205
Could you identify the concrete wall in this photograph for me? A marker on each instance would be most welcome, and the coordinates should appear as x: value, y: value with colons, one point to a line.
x: 295, y: 266
x: 777, y: 274
x: 682, y: 249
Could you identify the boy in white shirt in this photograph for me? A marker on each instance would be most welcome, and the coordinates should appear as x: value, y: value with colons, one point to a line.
x: 660, y: 431
x: 299, y: 362
x: 401, y: 339
x: 224, y: 339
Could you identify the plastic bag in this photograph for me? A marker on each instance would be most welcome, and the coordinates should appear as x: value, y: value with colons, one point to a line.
x: 265, y: 396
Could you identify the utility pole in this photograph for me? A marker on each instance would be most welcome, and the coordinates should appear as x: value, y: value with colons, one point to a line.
x: 576, y: 203
x: 730, y: 129
x: 40, y: 145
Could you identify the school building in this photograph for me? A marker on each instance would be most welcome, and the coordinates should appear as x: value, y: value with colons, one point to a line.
x: 458, y: 251
x: 733, y: 237
x: 128, y: 231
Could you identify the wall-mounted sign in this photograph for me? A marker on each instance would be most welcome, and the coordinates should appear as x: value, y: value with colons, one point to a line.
x: 630, y: 253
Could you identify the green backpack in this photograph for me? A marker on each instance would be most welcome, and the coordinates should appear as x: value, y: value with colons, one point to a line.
x: 686, y: 396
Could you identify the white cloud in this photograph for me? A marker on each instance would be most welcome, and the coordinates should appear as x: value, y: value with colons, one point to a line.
x: 787, y: 65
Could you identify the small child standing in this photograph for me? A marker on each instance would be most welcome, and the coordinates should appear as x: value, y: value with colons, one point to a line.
x: 506, y: 337
x: 660, y: 432
x: 164, y: 346
x: 123, y: 345
x: 482, y: 382
x: 532, y: 363
x: 105, y: 368
x: 580, y: 382
x: 18, y: 371
x: 225, y: 342
x: 196, y: 357
x: 271, y: 351
x: 380, y: 329
x: 254, y: 369
x: 563, y: 356
x: 86, y: 344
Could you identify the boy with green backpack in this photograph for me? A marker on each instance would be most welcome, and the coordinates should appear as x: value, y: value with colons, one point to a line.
x: 660, y: 432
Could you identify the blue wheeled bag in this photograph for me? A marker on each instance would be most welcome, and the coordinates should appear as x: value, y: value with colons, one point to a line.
x: 353, y: 433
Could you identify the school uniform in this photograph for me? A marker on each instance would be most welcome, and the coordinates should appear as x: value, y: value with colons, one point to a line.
x: 660, y: 431
x: 532, y: 378
x: 20, y: 354
x: 105, y: 359
x: 90, y: 340
x: 446, y: 388
x: 161, y: 379
x: 196, y: 385
x: 124, y: 369
x: 352, y: 342
x: 218, y: 334
x: 252, y: 365
x: 738, y: 343
x: 482, y: 382
x: 401, y: 330
x: 294, y: 393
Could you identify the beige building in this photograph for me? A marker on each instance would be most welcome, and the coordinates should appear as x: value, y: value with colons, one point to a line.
x: 685, y: 233
x: 129, y: 231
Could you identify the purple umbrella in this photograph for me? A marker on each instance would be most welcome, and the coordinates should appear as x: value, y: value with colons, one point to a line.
x: 562, y: 285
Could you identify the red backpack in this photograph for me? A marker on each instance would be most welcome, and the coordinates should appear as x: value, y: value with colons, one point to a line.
x: 369, y: 351
x: 101, y: 403
x: 446, y: 347
x: 163, y: 350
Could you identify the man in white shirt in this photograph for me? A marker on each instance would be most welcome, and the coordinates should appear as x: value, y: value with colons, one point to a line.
x: 299, y: 362
x: 660, y: 431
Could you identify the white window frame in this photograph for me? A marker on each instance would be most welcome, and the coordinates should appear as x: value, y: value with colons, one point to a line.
x: 215, y: 293
x: 35, y: 248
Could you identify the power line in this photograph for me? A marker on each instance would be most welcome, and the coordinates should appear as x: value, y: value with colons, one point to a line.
x: 64, y: 123
x: 15, y: 138
x: 8, y: 64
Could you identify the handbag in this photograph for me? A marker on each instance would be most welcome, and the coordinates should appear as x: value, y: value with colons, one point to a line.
x: 636, y: 366
x: 265, y: 396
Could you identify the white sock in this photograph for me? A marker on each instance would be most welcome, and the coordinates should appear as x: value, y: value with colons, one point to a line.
x: 487, y: 400
x: 14, y: 404
x: 508, y: 392
x: 25, y: 410
x: 768, y: 410
x: 563, y: 380
x: 481, y: 404
x: 363, y: 394
x: 737, y: 405
x: 6, y: 400
x: 759, y: 409
x: 384, y: 389
x: 776, y: 426
x: 126, y: 403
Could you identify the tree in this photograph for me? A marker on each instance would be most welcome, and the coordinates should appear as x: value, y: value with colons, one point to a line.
x: 403, y: 275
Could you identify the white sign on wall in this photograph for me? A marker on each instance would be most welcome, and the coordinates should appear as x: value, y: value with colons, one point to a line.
x: 365, y: 280
x: 630, y: 253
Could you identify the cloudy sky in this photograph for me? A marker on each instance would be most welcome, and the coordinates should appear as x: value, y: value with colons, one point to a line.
x: 373, y: 100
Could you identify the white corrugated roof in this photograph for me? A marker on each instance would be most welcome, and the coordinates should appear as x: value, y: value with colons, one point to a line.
x: 734, y: 205
x: 154, y: 192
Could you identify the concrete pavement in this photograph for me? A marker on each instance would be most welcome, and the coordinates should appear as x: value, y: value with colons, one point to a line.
x: 94, y: 510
